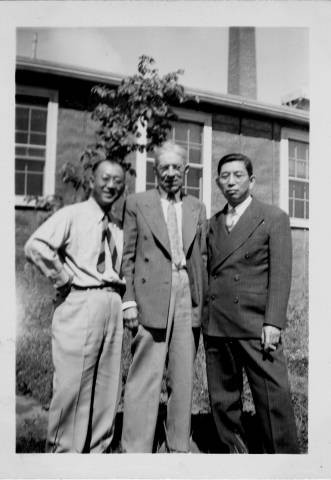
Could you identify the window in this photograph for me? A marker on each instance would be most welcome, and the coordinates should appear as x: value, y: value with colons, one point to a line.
x: 30, y: 145
x: 192, y: 132
x: 294, y: 176
x: 298, y: 179
x: 35, y: 143
x: 189, y: 136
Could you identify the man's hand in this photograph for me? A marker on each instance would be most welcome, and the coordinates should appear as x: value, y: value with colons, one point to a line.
x: 270, y: 338
x: 130, y: 318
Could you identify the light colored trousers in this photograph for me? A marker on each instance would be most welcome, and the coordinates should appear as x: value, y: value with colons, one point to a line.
x: 152, y: 350
x: 87, y: 333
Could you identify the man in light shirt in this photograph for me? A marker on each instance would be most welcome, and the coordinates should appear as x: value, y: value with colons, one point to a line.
x: 249, y: 263
x: 164, y: 245
x: 79, y: 249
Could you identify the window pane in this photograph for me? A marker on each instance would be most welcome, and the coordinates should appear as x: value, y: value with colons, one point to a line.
x: 195, y: 132
x: 195, y: 155
x: 21, y: 151
x: 193, y: 177
x: 180, y: 131
x: 292, y: 149
x: 21, y: 137
x: 35, y: 184
x: 37, y: 152
x: 38, y: 139
x: 297, y: 189
x: 301, y: 169
x: 22, y: 164
x: 302, y: 150
x: 22, y: 118
x: 291, y: 164
x: 193, y: 191
x: 291, y: 207
x: 38, y: 120
x: 299, y: 209
x: 149, y: 186
x: 19, y: 184
x: 150, y: 173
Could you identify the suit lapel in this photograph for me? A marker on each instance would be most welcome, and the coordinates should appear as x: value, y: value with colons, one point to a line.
x: 190, y: 216
x: 153, y: 214
x: 229, y: 243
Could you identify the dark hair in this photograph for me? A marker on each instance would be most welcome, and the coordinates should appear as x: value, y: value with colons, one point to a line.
x: 110, y: 160
x: 236, y: 157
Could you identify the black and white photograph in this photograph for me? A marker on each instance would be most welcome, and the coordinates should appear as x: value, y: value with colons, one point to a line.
x: 161, y: 229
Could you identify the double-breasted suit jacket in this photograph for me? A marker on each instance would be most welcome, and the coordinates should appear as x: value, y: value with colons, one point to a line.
x: 249, y: 272
x: 146, y: 263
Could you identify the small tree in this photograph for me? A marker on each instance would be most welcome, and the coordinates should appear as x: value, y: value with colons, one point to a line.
x: 141, y: 101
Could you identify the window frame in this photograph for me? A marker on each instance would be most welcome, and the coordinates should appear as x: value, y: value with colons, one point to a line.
x: 51, y: 140
x: 295, y: 135
x: 185, y: 115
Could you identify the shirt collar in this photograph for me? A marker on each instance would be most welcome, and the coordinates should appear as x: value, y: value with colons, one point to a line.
x: 164, y: 195
x: 239, y: 209
x: 95, y: 209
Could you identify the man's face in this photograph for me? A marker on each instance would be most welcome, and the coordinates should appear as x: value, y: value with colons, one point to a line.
x: 235, y: 182
x: 170, y: 171
x: 107, y: 183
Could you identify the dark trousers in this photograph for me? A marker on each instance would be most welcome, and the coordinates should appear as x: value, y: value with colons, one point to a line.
x: 268, y: 379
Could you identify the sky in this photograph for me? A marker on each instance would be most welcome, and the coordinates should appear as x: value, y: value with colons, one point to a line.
x: 202, y: 52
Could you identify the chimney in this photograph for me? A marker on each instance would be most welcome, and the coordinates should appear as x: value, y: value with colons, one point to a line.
x: 242, y: 62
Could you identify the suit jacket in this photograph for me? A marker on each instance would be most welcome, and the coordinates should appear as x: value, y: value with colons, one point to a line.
x: 146, y: 263
x: 249, y: 272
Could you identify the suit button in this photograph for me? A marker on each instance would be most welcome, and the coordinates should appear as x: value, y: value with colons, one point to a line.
x: 214, y: 277
x: 212, y: 297
x: 236, y: 300
x: 246, y: 255
x: 143, y: 280
x: 236, y: 278
x: 146, y: 259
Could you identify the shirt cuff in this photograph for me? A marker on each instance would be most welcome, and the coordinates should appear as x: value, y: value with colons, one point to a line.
x: 129, y: 304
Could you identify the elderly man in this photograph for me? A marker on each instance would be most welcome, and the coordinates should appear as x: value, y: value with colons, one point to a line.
x: 79, y: 249
x: 164, y: 243
x: 250, y: 259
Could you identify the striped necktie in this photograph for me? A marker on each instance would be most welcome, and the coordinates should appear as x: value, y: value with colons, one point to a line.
x: 231, y: 217
x: 107, y: 235
x: 172, y: 225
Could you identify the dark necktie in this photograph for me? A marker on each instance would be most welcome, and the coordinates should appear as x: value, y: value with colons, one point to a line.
x: 172, y: 225
x: 107, y: 235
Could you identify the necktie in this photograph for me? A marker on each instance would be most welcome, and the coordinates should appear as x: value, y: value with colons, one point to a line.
x: 175, y: 244
x: 230, y: 218
x: 107, y: 235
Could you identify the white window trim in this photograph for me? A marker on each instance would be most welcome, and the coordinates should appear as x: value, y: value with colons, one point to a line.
x: 189, y: 116
x: 289, y: 134
x: 51, y: 140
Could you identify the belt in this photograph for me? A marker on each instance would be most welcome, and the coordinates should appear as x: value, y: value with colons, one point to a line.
x: 108, y: 287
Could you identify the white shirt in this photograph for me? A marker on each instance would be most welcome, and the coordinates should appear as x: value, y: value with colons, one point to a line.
x: 179, y: 214
x: 239, y: 209
x: 67, y: 245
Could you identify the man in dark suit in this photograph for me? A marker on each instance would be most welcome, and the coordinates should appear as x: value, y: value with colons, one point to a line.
x: 164, y: 244
x: 249, y: 263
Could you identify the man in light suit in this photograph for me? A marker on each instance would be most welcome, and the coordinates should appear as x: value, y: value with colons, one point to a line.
x: 164, y: 244
x: 249, y: 263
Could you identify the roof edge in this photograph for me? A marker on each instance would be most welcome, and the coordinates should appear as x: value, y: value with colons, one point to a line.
x: 225, y: 100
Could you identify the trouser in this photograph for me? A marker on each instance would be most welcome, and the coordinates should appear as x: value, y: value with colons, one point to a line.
x: 153, y: 349
x: 268, y: 379
x: 87, y: 334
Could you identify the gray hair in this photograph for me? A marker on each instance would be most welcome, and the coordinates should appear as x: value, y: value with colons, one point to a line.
x: 169, y: 147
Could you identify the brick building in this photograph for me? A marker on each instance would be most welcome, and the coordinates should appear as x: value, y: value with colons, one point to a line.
x: 53, y: 126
